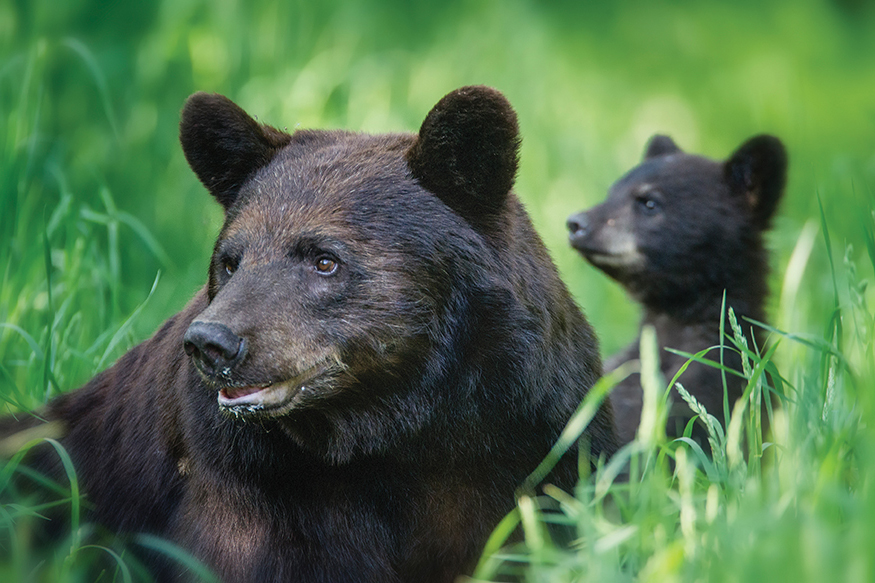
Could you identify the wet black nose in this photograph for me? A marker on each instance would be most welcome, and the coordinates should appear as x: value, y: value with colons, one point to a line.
x: 578, y: 225
x: 213, y: 347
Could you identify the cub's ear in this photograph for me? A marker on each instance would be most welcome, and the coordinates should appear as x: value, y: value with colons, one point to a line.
x: 223, y: 145
x: 467, y: 152
x: 660, y: 145
x: 758, y: 169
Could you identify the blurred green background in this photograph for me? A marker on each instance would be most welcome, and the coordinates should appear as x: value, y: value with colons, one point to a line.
x: 97, y: 198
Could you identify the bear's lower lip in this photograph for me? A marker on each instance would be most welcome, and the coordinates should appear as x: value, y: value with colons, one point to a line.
x: 631, y: 259
x: 258, y: 397
x: 233, y: 393
x: 275, y: 398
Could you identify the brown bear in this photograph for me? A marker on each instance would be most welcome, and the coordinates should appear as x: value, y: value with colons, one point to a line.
x: 677, y: 231
x: 382, y: 354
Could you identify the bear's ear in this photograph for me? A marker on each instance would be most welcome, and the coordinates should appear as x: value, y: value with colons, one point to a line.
x: 467, y: 152
x: 660, y: 145
x: 223, y: 145
x: 758, y: 169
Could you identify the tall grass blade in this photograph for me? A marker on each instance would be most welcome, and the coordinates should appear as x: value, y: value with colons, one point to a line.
x: 119, y: 561
x: 87, y: 57
x: 126, y: 326
x: 181, y: 556
x: 651, y: 429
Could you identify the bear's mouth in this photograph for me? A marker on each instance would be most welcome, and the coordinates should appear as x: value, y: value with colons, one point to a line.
x: 617, y: 260
x: 269, y: 398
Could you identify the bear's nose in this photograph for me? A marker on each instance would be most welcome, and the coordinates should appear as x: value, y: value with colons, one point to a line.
x: 213, y: 347
x: 578, y: 225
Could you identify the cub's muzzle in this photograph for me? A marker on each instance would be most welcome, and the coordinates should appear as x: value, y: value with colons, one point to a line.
x: 578, y: 228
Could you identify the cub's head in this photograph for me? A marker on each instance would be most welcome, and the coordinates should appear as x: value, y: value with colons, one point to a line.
x: 336, y: 282
x: 680, y: 224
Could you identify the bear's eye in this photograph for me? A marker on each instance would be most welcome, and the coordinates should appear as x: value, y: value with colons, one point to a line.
x: 649, y: 204
x: 229, y: 265
x: 325, y: 265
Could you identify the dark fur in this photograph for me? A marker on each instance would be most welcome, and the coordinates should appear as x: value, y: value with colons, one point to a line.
x: 703, y: 236
x: 449, y: 357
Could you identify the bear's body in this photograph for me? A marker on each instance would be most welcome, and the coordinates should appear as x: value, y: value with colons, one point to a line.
x: 677, y: 231
x: 382, y: 354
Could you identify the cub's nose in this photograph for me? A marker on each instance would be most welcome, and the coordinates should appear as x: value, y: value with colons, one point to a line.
x: 213, y: 347
x: 578, y: 226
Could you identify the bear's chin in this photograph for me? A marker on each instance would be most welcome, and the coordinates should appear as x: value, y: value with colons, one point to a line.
x: 628, y: 260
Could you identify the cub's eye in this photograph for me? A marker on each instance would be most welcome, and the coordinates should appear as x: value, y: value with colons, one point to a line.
x: 229, y: 265
x: 325, y: 265
x: 649, y: 205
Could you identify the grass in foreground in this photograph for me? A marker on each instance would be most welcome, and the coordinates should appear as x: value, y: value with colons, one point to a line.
x: 797, y: 507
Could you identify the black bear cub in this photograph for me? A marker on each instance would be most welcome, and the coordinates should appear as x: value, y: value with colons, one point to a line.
x: 382, y: 353
x: 677, y: 231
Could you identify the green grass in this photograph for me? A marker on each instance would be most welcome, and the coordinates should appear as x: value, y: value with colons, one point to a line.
x: 796, y: 508
x: 105, y: 232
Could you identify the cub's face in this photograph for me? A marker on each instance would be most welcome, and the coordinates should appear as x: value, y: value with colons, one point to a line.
x: 674, y: 221
x: 659, y: 217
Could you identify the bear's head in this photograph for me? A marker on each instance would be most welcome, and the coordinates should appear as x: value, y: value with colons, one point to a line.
x: 679, y: 227
x: 347, y: 282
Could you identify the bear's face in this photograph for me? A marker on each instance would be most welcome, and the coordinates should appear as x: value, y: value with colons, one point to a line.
x: 673, y: 224
x: 313, y: 273
x: 341, y: 253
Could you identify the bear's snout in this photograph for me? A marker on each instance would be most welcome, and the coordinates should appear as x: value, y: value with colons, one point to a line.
x: 213, y: 347
x: 578, y: 227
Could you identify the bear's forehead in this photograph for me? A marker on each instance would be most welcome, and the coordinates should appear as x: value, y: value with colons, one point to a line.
x: 342, y: 182
x: 675, y: 174
x: 342, y: 166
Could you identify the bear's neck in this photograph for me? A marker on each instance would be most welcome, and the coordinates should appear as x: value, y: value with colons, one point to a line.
x: 741, y: 279
x: 707, y: 307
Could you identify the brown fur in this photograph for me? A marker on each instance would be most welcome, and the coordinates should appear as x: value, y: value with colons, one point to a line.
x: 418, y: 379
